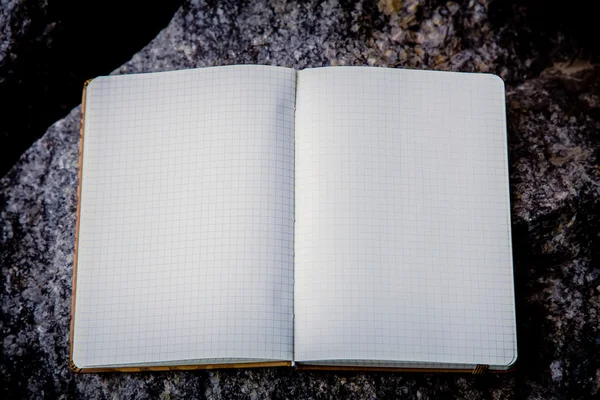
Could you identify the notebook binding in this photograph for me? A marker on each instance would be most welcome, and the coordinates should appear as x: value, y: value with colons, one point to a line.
x: 480, y: 369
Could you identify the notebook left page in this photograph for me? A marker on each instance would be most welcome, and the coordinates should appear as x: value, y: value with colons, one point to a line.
x: 185, y: 249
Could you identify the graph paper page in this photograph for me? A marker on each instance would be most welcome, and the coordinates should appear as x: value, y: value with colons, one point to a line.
x: 403, y: 248
x: 186, y: 229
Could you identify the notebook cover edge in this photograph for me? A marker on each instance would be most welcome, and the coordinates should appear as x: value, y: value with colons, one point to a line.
x: 479, y: 369
x: 184, y: 367
x: 72, y: 364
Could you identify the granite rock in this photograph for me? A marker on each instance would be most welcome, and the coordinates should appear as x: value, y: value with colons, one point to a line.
x: 553, y: 119
x: 26, y: 26
x: 15, y: 23
x: 48, y: 48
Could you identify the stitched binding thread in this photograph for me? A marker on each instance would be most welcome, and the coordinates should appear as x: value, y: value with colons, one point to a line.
x: 480, y: 369
x: 74, y: 367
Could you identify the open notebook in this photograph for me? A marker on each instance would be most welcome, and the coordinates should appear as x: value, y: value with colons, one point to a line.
x: 342, y: 217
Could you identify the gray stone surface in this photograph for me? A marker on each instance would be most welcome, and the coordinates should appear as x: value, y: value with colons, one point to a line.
x: 14, y: 24
x: 553, y: 118
x: 48, y: 48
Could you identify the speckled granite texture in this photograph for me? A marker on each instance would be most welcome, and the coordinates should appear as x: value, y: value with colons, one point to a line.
x: 48, y: 48
x: 553, y: 118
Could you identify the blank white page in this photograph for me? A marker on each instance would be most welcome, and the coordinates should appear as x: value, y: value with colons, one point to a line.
x: 186, y: 227
x: 403, y: 248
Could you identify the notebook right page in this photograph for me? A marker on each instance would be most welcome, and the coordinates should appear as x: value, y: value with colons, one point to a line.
x: 403, y: 248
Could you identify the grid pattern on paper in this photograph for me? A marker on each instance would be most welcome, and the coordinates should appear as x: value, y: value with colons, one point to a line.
x: 186, y: 225
x: 200, y: 361
x: 391, y: 364
x: 403, y: 248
